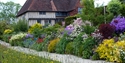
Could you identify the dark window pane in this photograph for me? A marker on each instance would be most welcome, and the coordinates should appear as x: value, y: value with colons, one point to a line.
x: 42, y: 13
x: 38, y: 21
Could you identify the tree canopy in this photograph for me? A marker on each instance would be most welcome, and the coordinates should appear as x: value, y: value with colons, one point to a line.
x: 8, y: 11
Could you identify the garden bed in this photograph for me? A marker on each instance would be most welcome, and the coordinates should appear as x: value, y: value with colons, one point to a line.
x: 64, y: 58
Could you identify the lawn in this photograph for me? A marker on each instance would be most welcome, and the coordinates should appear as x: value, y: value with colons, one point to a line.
x: 11, y: 56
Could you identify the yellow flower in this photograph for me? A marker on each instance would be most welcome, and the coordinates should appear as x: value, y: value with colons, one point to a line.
x: 7, y: 31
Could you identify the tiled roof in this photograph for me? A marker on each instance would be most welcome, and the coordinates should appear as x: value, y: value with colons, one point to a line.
x: 46, y: 5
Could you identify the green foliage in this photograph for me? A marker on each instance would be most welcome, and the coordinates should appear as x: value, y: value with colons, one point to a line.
x: 8, y: 11
x: 92, y: 14
x: 35, y: 29
x: 36, y: 46
x: 88, y: 46
x: 78, y: 44
x: 52, y: 45
x: 17, y: 39
x: 69, y: 20
x: 11, y: 56
x: 20, y: 26
x: 114, y: 7
x: 3, y: 27
x: 123, y: 10
x: 89, y: 29
x: 45, y: 43
x: 61, y: 45
x: 69, y: 48
x: 95, y: 56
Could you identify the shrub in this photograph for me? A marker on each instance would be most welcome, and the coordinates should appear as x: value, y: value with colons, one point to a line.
x: 95, y: 56
x: 69, y: 20
x: 78, y: 45
x: 110, y: 50
x: 114, y: 7
x: 3, y: 27
x: 20, y: 26
x: 35, y: 29
x: 123, y: 9
x: 17, y: 39
x: 61, y: 45
x: 36, y: 46
x: 89, y: 29
x: 106, y: 30
x: 7, y: 31
x: 88, y: 45
x: 69, y: 48
x: 45, y: 43
x: 119, y: 23
x: 52, y: 45
x: 28, y: 42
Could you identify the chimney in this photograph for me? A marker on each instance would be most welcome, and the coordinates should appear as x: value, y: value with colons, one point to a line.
x: 53, y: 5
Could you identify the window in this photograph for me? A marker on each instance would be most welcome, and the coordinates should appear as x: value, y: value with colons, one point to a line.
x: 38, y: 21
x: 47, y: 22
x: 79, y: 10
x: 59, y: 20
x: 42, y: 13
x: 61, y: 14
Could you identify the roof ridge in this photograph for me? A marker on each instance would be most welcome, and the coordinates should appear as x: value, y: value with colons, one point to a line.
x: 30, y: 5
x: 53, y: 6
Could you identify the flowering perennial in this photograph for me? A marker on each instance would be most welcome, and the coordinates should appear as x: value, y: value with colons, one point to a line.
x: 119, y: 23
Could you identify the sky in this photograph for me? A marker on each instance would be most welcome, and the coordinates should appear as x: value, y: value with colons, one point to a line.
x: 21, y: 2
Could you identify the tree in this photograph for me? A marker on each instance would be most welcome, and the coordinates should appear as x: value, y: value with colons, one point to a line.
x: 8, y: 11
x: 90, y: 13
x: 114, y: 7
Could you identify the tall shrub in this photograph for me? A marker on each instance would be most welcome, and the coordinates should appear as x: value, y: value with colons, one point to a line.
x: 20, y: 26
x: 114, y: 7
x: 90, y: 13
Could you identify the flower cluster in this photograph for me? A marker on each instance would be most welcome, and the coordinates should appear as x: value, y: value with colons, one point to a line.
x: 119, y: 23
x: 7, y: 31
x: 69, y: 29
x: 110, y: 50
x: 29, y: 36
x: 33, y: 27
x: 19, y: 36
x: 75, y: 28
x: 97, y: 34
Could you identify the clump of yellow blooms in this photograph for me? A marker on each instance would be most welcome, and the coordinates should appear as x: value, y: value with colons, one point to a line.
x: 8, y: 31
x: 52, y: 45
x: 110, y: 50
x: 32, y: 28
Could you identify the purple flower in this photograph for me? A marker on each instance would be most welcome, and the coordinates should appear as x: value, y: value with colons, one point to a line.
x: 119, y: 23
x: 69, y: 29
x: 29, y: 36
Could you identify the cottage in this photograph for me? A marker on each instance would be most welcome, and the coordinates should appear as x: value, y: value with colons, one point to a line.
x: 48, y: 11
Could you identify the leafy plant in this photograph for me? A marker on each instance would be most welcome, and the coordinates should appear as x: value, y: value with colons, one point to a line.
x: 35, y: 29
x: 3, y: 27
x: 17, y: 39
x: 20, y: 26
x: 61, y: 45
x: 69, y: 20
x: 77, y: 50
x: 69, y: 48
x: 88, y: 45
x: 52, y: 45
x: 106, y: 30
x: 112, y: 51
x: 122, y: 10
x: 114, y: 7
x: 89, y: 29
